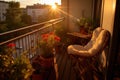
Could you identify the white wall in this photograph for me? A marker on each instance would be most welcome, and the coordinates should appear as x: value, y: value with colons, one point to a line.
x: 77, y: 9
x: 107, y: 22
x: 108, y: 14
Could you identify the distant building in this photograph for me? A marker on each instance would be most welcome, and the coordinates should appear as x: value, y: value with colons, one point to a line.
x: 3, y: 6
x: 37, y: 10
x: 23, y: 10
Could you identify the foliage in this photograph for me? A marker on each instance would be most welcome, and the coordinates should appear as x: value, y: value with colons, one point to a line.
x: 47, y: 43
x: 12, y: 68
x: 13, y: 4
x: 22, y: 67
x: 62, y: 31
x: 3, y: 28
x: 13, y: 14
x: 26, y: 19
x: 85, y: 23
x: 14, y: 17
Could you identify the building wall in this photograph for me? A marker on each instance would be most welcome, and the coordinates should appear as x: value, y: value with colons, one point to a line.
x: 77, y: 9
x: 35, y: 13
x: 3, y: 7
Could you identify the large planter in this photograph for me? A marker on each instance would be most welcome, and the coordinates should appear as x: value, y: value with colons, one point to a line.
x: 40, y: 62
x: 37, y: 77
x: 46, y: 62
x: 42, y: 66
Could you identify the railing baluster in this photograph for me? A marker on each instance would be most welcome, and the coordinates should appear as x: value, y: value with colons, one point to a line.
x: 32, y: 46
x: 23, y: 44
x: 17, y: 46
x: 20, y: 47
x: 37, y: 36
x: 27, y: 44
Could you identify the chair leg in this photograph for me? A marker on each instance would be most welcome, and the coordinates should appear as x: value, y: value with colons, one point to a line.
x: 88, y: 75
x: 75, y: 68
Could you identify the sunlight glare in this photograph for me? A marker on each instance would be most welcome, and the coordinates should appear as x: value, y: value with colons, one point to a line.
x: 54, y: 6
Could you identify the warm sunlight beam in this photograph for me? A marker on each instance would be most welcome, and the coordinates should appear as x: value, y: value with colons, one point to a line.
x: 71, y: 16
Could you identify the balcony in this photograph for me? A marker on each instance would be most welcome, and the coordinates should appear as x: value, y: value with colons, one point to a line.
x: 26, y: 40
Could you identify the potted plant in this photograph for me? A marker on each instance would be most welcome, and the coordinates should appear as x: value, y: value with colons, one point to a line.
x: 61, y: 30
x: 12, y: 68
x: 45, y: 61
x: 85, y: 25
x: 47, y: 44
x: 22, y: 68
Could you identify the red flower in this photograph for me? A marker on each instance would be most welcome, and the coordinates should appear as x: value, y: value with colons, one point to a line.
x: 50, y: 39
x: 45, y: 35
x: 11, y: 45
x: 57, y: 38
x: 51, y: 33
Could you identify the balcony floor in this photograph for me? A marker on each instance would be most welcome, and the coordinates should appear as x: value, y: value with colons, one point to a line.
x: 65, y: 70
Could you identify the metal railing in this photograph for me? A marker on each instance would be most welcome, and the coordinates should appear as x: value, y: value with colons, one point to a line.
x: 28, y: 41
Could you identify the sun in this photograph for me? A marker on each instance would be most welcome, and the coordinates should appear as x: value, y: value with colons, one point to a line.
x: 54, y: 6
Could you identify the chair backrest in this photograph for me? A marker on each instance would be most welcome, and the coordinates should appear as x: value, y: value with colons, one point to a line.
x: 94, y: 37
x: 99, y: 43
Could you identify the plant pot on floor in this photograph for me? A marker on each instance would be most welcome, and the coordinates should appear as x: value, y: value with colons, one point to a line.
x: 37, y: 77
x: 46, y: 62
x: 40, y: 62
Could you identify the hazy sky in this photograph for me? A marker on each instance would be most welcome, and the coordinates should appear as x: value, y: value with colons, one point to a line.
x: 23, y: 3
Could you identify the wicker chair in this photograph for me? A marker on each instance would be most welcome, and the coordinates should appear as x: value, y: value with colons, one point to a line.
x: 87, y: 58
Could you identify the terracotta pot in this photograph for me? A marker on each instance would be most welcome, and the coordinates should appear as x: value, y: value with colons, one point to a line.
x: 83, y: 31
x: 37, y: 77
x: 46, y: 62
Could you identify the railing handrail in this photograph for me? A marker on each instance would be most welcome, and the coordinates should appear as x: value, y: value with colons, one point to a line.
x: 50, y: 21
x: 55, y: 21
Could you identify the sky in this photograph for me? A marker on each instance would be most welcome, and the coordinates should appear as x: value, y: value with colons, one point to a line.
x: 23, y: 3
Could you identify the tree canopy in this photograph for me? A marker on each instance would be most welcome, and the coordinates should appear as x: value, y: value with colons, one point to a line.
x: 13, y: 14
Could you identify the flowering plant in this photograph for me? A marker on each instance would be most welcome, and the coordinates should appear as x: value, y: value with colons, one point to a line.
x: 47, y: 43
x: 14, y: 68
